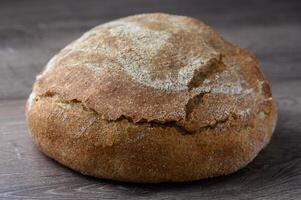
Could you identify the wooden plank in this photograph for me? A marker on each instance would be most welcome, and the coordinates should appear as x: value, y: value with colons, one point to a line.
x: 274, y: 174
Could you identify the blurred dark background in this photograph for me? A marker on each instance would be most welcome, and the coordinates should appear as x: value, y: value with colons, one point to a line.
x: 31, y: 32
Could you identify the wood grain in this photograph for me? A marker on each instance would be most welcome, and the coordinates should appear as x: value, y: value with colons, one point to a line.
x: 32, y: 31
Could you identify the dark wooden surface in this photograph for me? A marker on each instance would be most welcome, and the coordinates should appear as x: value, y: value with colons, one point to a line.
x: 32, y: 31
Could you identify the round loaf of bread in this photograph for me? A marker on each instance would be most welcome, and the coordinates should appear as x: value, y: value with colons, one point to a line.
x: 152, y: 98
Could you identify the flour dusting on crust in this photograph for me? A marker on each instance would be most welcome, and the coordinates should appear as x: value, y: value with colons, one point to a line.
x: 150, y: 67
x: 134, y: 48
x: 30, y: 100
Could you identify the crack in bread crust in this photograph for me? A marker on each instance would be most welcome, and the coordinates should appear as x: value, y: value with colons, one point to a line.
x: 154, y: 123
x: 213, y: 67
x: 122, y: 68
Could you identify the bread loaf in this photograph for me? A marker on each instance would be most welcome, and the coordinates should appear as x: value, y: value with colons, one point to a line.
x: 152, y: 98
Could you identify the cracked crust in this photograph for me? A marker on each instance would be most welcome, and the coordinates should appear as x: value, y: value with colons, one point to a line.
x: 152, y: 98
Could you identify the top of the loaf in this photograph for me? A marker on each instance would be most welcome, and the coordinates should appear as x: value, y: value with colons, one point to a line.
x: 153, y: 67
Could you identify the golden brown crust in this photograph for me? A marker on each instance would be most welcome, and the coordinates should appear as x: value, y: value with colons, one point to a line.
x: 152, y: 98
x: 121, y: 150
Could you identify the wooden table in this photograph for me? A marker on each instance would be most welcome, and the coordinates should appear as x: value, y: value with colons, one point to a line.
x: 32, y: 31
